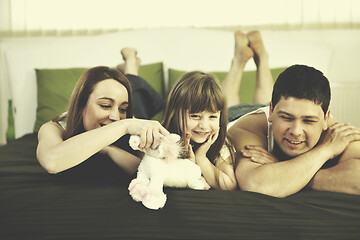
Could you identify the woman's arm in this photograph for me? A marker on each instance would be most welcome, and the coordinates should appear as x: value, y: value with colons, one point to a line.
x: 56, y: 155
x: 122, y: 158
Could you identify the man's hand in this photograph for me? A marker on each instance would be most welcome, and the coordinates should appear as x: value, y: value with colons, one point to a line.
x: 258, y: 155
x: 338, y: 136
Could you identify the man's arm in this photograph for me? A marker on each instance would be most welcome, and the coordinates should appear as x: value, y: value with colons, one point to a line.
x: 274, y: 178
x: 278, y: 179
x: 259, y: 171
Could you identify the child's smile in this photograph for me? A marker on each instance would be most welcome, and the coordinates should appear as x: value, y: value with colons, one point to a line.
x: 201, y: 125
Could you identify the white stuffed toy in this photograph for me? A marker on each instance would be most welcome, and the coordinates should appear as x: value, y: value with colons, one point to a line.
x: 162, y: 167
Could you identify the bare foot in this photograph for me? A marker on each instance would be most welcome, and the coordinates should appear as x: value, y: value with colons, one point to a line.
x: 232, y: 82
x: 132, y: 61
x: 264, y: 80
x: 257, y: 45
x: 242, y: 50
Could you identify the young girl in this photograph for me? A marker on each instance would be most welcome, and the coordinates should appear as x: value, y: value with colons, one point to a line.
x: 197, y: 110
x: 100, y: 113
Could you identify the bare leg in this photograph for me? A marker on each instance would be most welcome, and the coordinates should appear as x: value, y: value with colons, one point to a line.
x: 232, y: 81
x: 264, y: 80
x: 132, y: 62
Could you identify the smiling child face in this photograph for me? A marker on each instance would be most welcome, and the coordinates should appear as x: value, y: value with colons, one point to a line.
x: 202, y: 125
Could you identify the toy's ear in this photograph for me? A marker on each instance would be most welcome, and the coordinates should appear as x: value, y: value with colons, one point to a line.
x: 175, y: 137
x: 134, y: 142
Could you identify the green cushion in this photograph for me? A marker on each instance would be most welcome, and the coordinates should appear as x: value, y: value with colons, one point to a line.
x: 247, y: 88
x: 10, y: 131
x: 54, y: 87
x: 154, y: 75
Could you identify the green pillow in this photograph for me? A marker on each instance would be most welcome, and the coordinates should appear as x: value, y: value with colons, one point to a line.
x: 54, y: 88
x: 154, y: 75
x: 247, y: 88
x: 10, y: 131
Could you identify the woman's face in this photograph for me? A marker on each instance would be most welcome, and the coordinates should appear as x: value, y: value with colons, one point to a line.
x: 202, y: 125
x: 106, y: 104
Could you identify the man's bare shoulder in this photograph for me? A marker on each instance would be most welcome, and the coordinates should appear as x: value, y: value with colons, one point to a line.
x: 255, y: 123
x: 249, y: 130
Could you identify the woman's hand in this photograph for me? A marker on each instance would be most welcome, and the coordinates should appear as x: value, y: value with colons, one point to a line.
x: 150, y: 132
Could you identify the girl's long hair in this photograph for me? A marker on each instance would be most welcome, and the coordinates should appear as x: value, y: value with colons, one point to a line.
x: 80, y: 95
x: 192, y: 93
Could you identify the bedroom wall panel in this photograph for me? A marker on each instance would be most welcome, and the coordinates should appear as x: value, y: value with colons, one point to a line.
x: 345, y: 102
x: 202, y: 49
x: 61, y: 17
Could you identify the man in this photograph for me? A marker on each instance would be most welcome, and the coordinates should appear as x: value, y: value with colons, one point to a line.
x: 295, y: 143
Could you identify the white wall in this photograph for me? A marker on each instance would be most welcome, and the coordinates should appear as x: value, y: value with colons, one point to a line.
x: 335, y: 23
x: 59, y: 16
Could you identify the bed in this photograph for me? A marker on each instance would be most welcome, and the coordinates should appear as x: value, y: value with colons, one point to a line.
x: 38, y: 205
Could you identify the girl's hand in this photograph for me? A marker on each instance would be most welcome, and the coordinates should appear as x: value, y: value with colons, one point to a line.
x: 204, y: 148
x: 206, y: 184
x: 189, y: 148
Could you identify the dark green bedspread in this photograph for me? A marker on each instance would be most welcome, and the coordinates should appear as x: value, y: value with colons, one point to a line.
x: 37, y: 205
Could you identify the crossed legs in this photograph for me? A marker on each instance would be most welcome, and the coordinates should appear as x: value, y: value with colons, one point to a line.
x: 248, y: 46
x: 131, y: 61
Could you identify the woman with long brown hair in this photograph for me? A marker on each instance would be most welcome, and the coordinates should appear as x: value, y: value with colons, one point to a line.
x: 99, y: 114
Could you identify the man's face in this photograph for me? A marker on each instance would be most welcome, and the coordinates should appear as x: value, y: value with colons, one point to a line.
x: 297, y: 125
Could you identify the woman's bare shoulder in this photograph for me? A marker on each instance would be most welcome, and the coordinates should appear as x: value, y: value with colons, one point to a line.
x: 50, y: 128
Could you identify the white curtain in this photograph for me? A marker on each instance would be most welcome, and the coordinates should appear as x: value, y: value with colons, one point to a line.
x: 107, y: 15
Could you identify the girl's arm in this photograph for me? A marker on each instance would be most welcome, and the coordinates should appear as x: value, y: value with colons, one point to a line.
x: 56, y: 155
x: 220, y: 176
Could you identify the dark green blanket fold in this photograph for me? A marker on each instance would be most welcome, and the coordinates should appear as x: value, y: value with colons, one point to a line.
x: 37, y: 205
